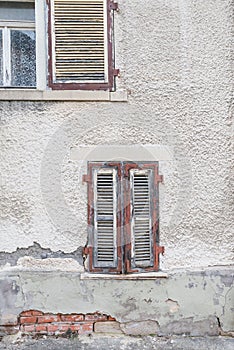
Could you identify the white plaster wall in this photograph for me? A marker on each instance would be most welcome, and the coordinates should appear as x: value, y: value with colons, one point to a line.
x: 175, y: 62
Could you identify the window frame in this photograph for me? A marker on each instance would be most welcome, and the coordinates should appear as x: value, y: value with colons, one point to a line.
x: 6, y: 26
x: 124, y: 232
x: 112, y: 72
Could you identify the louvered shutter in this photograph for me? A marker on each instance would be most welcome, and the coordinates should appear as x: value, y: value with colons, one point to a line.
x: 122, y: 217
x: 141, y: 217
x: 105, y: 218
x: 104, y: 239
x: 81, y: 45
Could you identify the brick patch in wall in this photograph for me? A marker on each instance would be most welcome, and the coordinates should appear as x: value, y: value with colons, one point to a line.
x: 38, y: 323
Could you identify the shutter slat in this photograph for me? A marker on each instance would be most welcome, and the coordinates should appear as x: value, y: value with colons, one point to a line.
x: 79, y: 24
x: 141, y: 231
x: 105, y: 226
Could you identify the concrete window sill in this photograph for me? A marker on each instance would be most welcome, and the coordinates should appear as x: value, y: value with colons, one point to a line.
x: 135, y: 276
x: 61, y: 95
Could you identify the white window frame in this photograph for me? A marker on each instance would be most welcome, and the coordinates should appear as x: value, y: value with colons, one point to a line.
x: 6, y: 27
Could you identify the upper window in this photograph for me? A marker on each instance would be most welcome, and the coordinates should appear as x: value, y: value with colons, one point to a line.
x: 123, y: 220
x: 75, y: 52
x: 17, y: 44
x: 80, y: 44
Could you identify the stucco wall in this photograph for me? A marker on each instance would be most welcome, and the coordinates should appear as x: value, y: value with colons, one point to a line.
x: 175, y: 62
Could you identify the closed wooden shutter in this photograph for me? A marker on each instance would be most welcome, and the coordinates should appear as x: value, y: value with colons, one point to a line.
x: 141, y: 218
x: 123, y: 217
x: 81, y: 44
x: 105, y: 218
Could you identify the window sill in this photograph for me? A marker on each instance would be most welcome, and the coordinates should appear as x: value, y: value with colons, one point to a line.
x: 135, y: 276
x: 61, y: 95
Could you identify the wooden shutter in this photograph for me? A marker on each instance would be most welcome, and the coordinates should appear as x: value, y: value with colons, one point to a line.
x: 142, y: 217
x: 104, y: 244
x: 80, y: 44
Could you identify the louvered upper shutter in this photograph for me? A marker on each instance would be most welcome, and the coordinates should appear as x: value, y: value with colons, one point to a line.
x: 81, y: 44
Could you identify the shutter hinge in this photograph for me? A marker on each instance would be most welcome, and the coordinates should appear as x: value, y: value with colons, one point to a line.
x: 160, y: 250
x: 114, y: 6
x: 159, y: 178
x: 86, y: 178
x: 85, y: 251
x: 116, y: 72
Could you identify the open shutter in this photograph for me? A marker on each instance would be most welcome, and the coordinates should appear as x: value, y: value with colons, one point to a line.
x: 80, y: 44
x: 142, y: 217
x: 104, y: 247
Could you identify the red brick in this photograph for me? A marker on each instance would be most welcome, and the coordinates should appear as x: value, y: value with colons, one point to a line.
x: 31, y: 313
x: 75, y: 327
x: 41, y: 328
x: 28, y: 320
x: 49, y: 318
x: 95, y: 317
x: 110, y: 318
x: 29, y: 328
x: 86, y: 328
x: 72, y: 318
x: 64, y: 326
x: 52, y: 328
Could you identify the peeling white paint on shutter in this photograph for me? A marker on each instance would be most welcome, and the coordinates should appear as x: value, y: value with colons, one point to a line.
x: 141, y: 222
x: 105, y: 218
x: 80, y: 41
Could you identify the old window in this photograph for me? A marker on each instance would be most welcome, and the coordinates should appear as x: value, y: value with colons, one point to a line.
x: 123, y: 232
x: 81, y: 44
x: 17, y: 44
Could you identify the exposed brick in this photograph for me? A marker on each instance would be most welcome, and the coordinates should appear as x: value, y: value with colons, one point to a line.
x: 28, y: 319
x: 48, y: 318
x: 42, y: 328
x: 95, y: 317
x: 75, y: 327
x: 64, y: 326
x: 72, y: 318
x: 86, y: 328
x: 52, y: 328
x: 29, y: 328
x: 31, y: 313
x: 110, y: 318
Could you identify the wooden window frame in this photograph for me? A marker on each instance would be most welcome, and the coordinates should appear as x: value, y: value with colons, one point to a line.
x: 124, y: 245
x: 112, y: 72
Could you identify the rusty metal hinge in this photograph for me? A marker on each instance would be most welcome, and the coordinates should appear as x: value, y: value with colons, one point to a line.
x: 114, y: 6
x: 85, y: 251
x: 160, y: 250
x: 116, y: 72
x: 86, y: 178
x: 159, y: 178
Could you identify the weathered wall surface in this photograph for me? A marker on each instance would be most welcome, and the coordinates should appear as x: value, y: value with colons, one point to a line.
x: 187, y: 302
x: 174, y: 58
x: 175, y: 62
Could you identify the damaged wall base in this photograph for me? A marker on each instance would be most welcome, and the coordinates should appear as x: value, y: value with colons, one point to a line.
x: 188, y: 302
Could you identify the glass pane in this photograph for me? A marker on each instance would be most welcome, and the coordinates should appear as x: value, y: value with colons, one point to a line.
x: 1, y: 67
x: 23, y: 58
x: 17, y: 11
